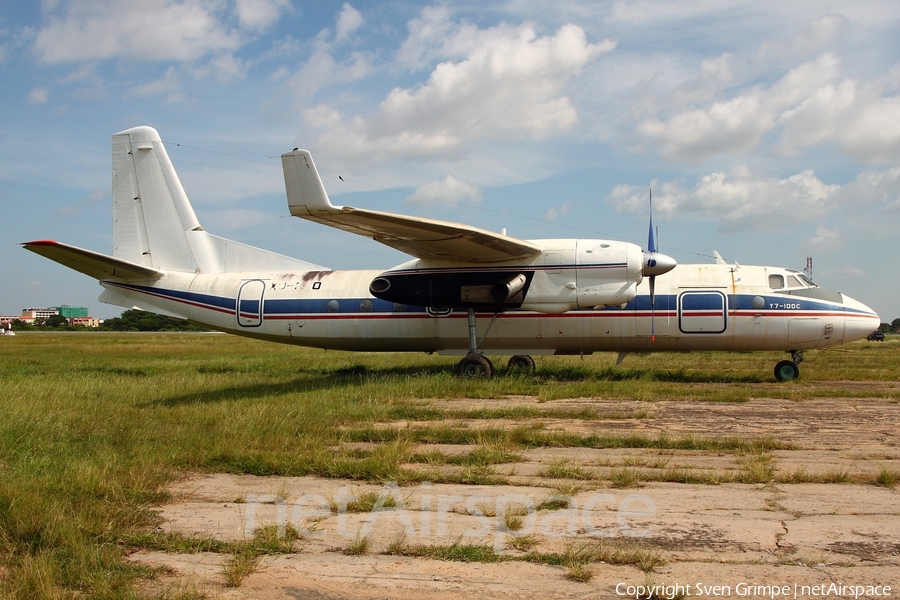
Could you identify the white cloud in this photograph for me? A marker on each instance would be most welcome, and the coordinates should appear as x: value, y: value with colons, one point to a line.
x: 817, y: 35
x: 738, y: 124
x: 825, y: 239
x: 225, y: 68
x: 873, y: 188
x: 321, y: 71
x: 348, y: 22
x: 38, y: 95
x: 820, y: 33
x: 864, y: 123
x: 166, y: 84
x: 149, y: 30
x: 448, y: 192
x: 260, y: 14
x: 555, y: 213
x: 510, y: 86
x: 741, y: 199
x: 430, y: 36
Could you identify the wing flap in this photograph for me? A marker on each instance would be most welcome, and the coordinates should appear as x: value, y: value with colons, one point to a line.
x: 94, y: 264
x: 430, y: 239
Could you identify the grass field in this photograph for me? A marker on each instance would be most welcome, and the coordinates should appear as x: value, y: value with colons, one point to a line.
x: 95, y: 425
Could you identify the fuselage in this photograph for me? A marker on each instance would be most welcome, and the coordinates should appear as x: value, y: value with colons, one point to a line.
x: 696, y: 307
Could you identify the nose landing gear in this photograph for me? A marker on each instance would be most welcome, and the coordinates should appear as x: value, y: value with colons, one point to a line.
x: 787, y: 370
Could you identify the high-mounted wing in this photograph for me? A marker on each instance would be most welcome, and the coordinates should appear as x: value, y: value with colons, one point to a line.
x: 423, y: 238
x: 94, y: 264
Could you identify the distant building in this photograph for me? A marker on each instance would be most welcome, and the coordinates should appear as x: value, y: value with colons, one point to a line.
x: 71, y: 312
x: 30, y: 314
x: 75, y: 315
x: 85, y: 321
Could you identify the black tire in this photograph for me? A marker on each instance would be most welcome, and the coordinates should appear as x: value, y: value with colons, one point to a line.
x: 786, y: 370
x: 521, y: 362
x: 474, y: 365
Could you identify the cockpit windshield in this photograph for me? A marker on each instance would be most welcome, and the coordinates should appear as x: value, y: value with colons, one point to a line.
x: 806, y: 280
x: 790, y: 280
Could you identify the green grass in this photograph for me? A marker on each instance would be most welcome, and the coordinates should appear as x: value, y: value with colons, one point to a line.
x: 887, y: 477
x: 95, y: 425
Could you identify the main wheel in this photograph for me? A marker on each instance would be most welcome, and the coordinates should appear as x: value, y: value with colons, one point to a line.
x: 786, y: 370
x: 474, y: 365
x: 521, y: 362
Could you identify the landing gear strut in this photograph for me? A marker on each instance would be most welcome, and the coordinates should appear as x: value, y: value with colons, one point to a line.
x: 475, y: 364
x: 787, y: 370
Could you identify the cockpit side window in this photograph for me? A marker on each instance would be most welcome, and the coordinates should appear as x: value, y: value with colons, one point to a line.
x: 793, y: 282
x: 776, y: 282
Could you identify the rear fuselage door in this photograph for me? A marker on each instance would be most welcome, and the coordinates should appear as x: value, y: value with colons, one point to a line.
x: 250, y: 303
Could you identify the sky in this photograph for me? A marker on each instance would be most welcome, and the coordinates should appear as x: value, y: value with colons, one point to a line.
x: 767, y: 131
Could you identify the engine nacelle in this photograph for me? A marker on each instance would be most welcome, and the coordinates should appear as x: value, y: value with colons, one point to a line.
x: 585, y: 274
x: 568, y: 274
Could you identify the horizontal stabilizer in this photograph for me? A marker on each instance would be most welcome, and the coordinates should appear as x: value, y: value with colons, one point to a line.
x: 430, y: 239
x: 96, y: 265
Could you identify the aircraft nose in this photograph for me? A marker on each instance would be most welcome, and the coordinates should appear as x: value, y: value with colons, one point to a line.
x: 859, y: 320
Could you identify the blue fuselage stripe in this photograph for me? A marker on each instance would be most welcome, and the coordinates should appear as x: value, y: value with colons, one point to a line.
x: 666, y: 304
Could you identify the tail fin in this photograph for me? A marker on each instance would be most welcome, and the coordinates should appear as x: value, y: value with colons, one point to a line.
x: 154, y: 224
x: 152, y: 216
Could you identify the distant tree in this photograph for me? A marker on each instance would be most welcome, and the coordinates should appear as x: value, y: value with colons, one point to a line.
x: 895, y: 325
x: 52, y: 322
x: 139, y: 320
x: 20, y: 325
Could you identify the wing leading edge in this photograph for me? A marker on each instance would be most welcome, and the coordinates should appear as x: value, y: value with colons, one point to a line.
x: 429, y: 239
x: 94, y: 264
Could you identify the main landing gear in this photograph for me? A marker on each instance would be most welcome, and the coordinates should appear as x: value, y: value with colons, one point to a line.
x: 475, y: 364
x: 787, y: 370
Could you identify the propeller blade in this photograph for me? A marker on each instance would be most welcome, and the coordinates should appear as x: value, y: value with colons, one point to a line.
x: 651, y: 242
x: 652, y: 302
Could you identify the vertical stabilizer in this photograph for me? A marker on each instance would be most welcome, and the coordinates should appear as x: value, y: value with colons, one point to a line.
x: 152, y: 217
x: 155, y: 226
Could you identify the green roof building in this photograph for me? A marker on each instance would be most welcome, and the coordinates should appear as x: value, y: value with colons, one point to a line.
x: 70, y: 312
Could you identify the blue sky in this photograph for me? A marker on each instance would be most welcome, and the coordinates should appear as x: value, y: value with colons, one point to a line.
x: 768, y: 131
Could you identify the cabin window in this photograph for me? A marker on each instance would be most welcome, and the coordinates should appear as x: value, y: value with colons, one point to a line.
x: 776, y: 282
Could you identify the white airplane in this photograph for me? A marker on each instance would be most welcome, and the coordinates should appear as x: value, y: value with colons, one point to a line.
x: 555, y: 296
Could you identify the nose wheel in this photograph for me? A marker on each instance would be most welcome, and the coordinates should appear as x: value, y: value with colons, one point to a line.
x: 788, y: 370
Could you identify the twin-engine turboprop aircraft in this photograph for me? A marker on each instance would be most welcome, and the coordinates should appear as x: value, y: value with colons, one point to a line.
x: 467, y: 291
